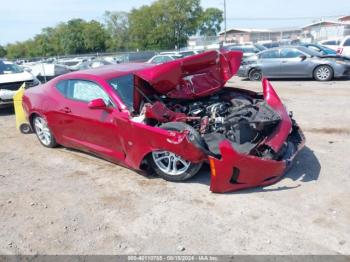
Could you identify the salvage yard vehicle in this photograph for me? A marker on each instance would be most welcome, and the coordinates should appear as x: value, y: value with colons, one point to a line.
x: 12, y: 77
x: 170, y: 118
x: 46, y: 71
x: 344, y: 47
x: 295, y: 62
x: 159, y: 59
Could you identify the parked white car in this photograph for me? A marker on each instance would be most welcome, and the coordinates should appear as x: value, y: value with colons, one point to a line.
x: 160, y: 59
x: 183, y: 53
x: 46, y: 71
x: 331, y: 43
x: 344, y: 47
x: 12, y: 77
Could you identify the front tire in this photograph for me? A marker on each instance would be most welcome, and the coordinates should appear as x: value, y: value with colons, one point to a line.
x: 43, y: 132
x: 170, y: 166
x: 323, y: 73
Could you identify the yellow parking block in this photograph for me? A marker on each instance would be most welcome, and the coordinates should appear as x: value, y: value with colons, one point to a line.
x: 21, y: 121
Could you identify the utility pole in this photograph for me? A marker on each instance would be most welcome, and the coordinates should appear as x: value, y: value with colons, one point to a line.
x: 225, y: 20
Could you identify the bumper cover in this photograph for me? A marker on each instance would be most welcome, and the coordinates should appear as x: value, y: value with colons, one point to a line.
x: 235, y: 171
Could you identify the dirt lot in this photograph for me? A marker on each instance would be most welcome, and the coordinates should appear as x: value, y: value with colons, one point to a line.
x: 59, y: 201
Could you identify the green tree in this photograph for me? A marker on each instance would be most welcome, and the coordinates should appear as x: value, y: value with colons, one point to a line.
x: 165, y: 24
x: 16, y: 50
x: 117, y: 24
x: 210, y: 22
x: 71, y: 36
x: 95, y: 37
x: 2, y: 51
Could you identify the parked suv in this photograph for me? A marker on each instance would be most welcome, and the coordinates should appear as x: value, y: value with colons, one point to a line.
x: 12, y: 77
x: 344, y: 47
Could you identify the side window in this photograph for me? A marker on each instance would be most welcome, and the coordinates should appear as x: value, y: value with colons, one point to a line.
x: 347, y: 42
x: 62, y: 87
x: 85, y: 91
x: 290, y: 53
x: 124, y: 87
x: 270, y: 54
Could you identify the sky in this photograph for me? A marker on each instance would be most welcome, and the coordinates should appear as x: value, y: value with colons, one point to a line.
x: 23, y: 19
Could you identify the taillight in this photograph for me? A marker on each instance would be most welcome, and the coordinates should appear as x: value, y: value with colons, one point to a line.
x: 340, y: 51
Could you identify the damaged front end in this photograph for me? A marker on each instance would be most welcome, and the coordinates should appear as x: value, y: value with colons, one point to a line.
x: 249, y: 138
x: 267, y: 162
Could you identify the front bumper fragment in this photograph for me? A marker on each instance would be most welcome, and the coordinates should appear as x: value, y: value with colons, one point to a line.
x: 235, y: 171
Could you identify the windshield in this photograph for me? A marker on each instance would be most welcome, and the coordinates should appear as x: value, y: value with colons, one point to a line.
x: 124, y: 88
x: 8, y: 68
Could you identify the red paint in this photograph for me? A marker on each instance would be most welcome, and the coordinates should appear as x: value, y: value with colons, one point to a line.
x: 277, y: 138
x: 112, y: 134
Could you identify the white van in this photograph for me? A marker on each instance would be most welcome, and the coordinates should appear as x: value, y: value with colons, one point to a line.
x: 11, y: 79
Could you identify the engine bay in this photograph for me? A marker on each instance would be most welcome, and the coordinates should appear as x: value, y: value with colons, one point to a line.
x: 241, y: 118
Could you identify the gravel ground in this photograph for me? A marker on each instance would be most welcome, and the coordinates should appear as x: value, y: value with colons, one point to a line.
x: 60, y: 201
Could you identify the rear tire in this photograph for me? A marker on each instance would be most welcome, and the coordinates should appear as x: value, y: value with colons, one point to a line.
x: 323, y: 73
x: 170, y: 166
x: 255, y: 75
x: 43, y: 132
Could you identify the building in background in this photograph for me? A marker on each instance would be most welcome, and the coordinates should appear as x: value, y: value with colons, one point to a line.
x: 322, y: 30
x: 316, y: 31
x: 240, y: 35
x: 346, y: 21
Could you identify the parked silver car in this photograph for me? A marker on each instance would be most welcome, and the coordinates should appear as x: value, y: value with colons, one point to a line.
x: 294, y: 62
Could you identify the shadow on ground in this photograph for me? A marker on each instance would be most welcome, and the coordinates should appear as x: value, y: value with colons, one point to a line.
x: 305, y: 168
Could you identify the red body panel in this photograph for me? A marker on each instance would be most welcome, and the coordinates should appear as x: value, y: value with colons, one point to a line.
x: 114, y: 135
x: 252, y: 171
x: 194, y: 76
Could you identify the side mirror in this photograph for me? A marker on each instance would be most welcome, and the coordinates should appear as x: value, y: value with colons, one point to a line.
x: 303, y: 57
x: 27, y: 69
x: 98, y: 103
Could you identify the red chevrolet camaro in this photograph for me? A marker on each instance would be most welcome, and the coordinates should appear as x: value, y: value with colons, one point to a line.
x: 171, y: 118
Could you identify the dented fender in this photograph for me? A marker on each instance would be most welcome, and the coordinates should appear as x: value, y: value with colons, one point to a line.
x: 139, y: 140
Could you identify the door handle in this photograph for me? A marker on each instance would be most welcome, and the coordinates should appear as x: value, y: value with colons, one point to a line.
x: 284, y: 62
x: 66, y: 110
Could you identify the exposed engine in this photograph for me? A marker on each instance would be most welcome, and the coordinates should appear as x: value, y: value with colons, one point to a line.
x: 243, y: 120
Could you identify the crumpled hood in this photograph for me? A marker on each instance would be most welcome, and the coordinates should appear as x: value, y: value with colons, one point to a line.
x: 194, y: 76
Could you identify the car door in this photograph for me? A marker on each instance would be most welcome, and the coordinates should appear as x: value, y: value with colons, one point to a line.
x: 294, y: 63
x: 94, y: 130
x: 270, y: 63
